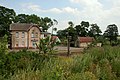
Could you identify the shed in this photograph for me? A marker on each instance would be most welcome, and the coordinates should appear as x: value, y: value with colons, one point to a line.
x: 84, y: 41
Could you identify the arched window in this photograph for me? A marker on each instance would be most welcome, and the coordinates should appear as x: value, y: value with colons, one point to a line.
x: 32, y: 34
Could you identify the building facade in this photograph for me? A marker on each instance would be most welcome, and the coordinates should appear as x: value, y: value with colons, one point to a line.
x: 45, y: 34
x: 24, y: 35
x: 84, y: 42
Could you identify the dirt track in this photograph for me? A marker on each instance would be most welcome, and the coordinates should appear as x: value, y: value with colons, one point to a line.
x: 61, y: 49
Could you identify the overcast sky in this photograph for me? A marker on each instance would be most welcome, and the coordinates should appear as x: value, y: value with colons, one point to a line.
x: 102, y: 12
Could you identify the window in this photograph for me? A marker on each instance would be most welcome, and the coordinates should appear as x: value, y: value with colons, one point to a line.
x: 32, y: 34
x: 17, y: 43
x: 36, y: 35
x: 33, y: 44
x: 17, y: 34
x: 23, y: 34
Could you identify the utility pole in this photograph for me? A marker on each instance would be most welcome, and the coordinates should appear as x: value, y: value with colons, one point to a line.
x: 68, y: 53
x: 68, y: 43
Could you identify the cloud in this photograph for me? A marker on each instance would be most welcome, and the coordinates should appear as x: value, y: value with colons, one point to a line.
x: 70, y: 10
x: 56, y: 10
x: 37, y: 8
x: 92, y: 10
x: 31, y: 7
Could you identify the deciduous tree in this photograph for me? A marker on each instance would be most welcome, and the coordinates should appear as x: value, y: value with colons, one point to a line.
x: 7, y: 16
x: 45, y: 23
x: 82, y: 29
x: 94, y: 30
x: 111, y: 32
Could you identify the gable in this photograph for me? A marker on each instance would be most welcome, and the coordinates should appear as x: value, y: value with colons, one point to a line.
x: 22, y: 26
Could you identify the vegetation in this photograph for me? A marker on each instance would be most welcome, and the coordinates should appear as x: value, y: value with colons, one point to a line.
x: 46, y: 45
x: 94, y: 31
x: 93, y: 64
x: 111, y: 33
x: 8, y: 16
x: 85, y: 29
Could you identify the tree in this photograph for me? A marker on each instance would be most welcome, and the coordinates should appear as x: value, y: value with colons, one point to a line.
x: 45, y: 23
x: 94, y: 30
x: 62, y: 34
x: 46, y: 45
x: 82, y: 29
x: 7, y: 16
x: 54, y: 29
x: 24, y: 18
x: 111, y: 32
x: 3, y: 45
x: 71, y: 31
x: 55, y: 22
x: 70, y: 24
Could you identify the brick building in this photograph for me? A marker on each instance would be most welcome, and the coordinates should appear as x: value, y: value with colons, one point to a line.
x: 24, y: 35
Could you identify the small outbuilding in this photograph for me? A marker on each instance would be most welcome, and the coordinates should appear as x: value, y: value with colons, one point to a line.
x: 84, y: 42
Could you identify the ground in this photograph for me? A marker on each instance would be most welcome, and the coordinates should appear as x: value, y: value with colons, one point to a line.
x: 62, y: 50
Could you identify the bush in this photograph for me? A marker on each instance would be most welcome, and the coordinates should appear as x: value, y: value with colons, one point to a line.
x: 53, y: 70
x: 15, y: 61
x: 94, y: 64
x: 115, y: 63
x: 104, y: 70
x: 27, y: 75
x: 81, y: 63
x: 83, y: 76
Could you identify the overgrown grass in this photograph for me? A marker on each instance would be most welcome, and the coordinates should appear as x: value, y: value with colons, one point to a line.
x: 95, y: 64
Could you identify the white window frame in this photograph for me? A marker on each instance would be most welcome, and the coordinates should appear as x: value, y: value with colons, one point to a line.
x: 17, y: 34
x: 32, y: 35
x: 23, y: 34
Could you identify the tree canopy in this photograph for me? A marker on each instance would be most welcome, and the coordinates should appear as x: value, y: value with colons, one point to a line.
x: 45, y: 23
x: 24, y: 18
x: 7, y: 16
x: 111, y: 32
x: 82, y: 29
x: 94, y: 30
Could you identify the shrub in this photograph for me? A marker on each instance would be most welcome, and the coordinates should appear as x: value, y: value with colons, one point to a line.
x: 15, y: 61
x: 83, y: 76
x: 27, y: 75
x: 3, y: 45
x: 53, y: 70
x: 115, y: 63
x: 81, y: 63
x: 46, y: 45
x: 104, y: 70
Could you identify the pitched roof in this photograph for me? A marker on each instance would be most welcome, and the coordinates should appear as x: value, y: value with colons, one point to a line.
x: 21, y: 26
x: 56, y: 38
x: 85, y: 39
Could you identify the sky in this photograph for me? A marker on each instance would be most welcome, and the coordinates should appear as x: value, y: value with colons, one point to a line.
x: 101, y: 12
